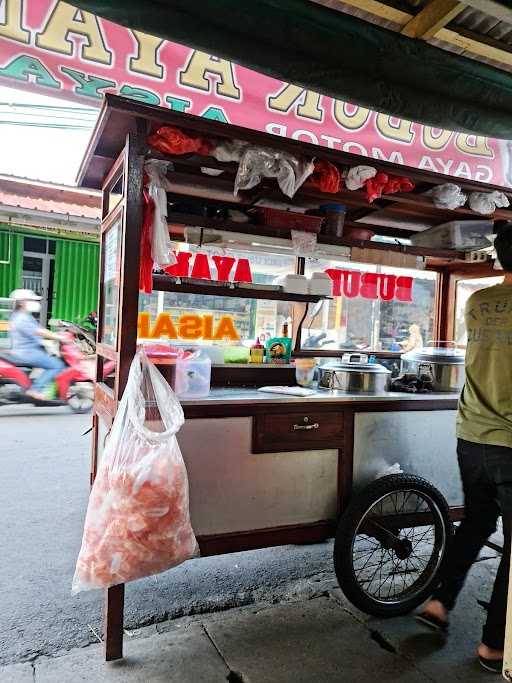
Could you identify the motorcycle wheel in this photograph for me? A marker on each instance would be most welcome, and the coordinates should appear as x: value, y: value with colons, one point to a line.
x: 81, y: 399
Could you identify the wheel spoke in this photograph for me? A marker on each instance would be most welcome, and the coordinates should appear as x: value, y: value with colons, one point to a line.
x: 379, y: 571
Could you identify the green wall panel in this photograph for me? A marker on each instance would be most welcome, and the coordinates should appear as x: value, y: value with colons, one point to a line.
x: 76, y: 279
x: 11, y: 250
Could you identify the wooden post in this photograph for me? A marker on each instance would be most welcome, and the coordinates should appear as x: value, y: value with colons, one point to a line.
x: 113, y: 620
x: 128, y: 306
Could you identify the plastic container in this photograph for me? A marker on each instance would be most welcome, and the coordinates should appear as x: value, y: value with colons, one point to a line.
x: 165, y: 356
x: 216, y: 354
x: 463, y: 235
x: 334, y: 219
x: 236, y: 354
x: 193, y: 374
x: 288, y: 220
x: 305, y: 371
x: 320, y: 284
x: 293, y: 283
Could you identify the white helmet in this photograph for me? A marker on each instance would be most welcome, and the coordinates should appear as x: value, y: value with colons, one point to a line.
x: 33, y: 302
x: 24, y: 295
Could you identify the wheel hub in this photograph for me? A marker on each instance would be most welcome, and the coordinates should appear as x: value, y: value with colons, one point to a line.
x: 403, y: 549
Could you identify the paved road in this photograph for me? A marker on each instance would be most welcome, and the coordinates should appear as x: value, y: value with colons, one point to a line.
x: 44, y: 465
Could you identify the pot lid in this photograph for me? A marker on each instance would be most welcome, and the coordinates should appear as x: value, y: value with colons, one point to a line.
x: 369, y: 368
x: 436, y: 354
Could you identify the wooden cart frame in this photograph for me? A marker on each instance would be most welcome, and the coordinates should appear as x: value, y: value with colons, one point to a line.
x: 114, y: 162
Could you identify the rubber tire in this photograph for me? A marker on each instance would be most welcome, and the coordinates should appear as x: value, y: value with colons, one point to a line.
x: 81, y: 411
x: 347, y: 528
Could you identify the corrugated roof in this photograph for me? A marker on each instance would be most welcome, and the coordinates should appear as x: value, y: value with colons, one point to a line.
x: 472, y: 33
x: 49, y: 198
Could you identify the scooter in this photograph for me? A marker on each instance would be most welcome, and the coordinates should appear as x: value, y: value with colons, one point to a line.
x: 84, y: 332
x: 74, y: 383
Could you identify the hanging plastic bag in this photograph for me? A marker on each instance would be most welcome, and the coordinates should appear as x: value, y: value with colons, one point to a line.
x: 138, y: 521
x: 161, y: 245
x: 358, y: 175
x: 229, y: 150
x: 264, y: 162
x: 304, y: 243
x: 448, y: 196
x: 486, y: 203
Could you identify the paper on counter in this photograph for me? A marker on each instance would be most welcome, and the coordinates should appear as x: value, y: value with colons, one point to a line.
x: 292, y: 391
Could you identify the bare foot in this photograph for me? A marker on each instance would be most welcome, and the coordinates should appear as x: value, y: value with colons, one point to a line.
x: 489, y: 653
x: 436, y: 609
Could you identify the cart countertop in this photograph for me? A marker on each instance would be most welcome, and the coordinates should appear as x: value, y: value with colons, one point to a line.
x: 238, y: 396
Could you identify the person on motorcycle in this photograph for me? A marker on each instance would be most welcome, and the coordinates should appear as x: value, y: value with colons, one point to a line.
x: 26, y: 336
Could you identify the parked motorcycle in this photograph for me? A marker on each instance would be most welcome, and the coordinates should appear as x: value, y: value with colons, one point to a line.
x: 74, y: 383
x: 84, y: 331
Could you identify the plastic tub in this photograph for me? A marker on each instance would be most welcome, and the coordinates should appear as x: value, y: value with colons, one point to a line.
x: 305, y: 371
x: 193, y: 374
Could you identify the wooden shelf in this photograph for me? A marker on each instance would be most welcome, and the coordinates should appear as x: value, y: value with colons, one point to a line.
x: 166, y: 283
x: 193, y: 220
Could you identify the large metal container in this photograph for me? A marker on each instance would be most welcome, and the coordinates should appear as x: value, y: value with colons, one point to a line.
x: 444, y: 365
x: 354, y: 374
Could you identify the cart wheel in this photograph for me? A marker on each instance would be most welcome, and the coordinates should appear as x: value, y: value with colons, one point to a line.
x: 391, y: 544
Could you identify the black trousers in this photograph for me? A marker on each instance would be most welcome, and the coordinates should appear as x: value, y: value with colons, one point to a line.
x: 486, y: 473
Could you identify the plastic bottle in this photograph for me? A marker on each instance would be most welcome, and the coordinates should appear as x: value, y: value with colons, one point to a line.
x: 257, y: 353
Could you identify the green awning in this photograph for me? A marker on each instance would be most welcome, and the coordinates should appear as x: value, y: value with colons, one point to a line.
x: 334, y: 54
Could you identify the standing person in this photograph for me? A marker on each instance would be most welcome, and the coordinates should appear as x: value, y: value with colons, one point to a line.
x: 414, y: 341
x: 484, y: 431
x: 26, y: 336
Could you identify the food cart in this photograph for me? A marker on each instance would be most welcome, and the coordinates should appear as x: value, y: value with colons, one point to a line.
x: 282, y: 469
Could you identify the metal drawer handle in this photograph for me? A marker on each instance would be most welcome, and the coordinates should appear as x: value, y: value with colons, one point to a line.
x: 313, y: 426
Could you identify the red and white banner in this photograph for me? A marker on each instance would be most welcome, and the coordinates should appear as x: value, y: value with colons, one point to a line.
x: 59, y: 50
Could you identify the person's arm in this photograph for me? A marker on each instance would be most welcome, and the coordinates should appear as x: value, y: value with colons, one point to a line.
x: 46, y: 334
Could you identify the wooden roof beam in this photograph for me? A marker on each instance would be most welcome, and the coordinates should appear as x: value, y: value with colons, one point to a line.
x: 432, y: 18
x: 459, y: 40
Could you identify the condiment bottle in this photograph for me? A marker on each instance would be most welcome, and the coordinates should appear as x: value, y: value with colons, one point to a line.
x: 257, y: 353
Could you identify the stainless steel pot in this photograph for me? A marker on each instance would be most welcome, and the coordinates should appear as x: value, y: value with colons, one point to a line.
x: 354, y: 374
x: 444, y: 365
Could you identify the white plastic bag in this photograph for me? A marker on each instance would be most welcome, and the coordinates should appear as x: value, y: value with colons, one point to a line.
x: 161, y: 245
x: 486, y: 202
x: 265, y: 162
x: 229, y: 150
x: 448, y: 196
x: 304, y: 243
x: 358, y: 175
x: 138, y: 521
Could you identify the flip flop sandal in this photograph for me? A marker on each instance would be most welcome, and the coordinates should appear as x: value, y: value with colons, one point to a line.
x: 493, y: 665
x: 432, y: 622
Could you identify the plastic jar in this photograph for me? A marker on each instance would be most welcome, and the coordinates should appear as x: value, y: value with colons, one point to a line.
x: 334, y: 219
x: 305, y: 371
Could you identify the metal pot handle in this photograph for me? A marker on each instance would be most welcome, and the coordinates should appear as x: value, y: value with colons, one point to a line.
x: 426, y: 368
x: 357, y: 358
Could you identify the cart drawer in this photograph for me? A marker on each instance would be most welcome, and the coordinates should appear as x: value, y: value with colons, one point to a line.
x: 297, y: 431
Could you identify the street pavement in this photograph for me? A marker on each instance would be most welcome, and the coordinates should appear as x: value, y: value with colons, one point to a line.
x: 268, y: 615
